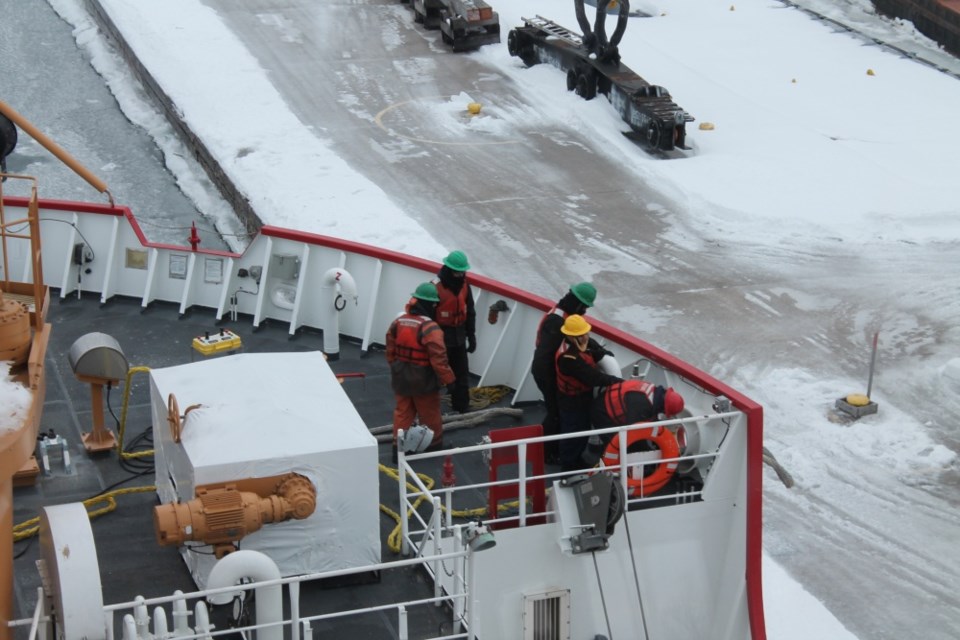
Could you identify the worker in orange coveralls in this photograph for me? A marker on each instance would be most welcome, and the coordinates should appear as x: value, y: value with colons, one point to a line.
x: 418, y: 365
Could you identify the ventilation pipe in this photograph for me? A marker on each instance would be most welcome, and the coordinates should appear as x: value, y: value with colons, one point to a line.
x: 258, y: 567
x: 338, y: 285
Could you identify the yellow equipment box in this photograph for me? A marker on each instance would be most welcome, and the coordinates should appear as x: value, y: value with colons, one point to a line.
x: 222, y: 341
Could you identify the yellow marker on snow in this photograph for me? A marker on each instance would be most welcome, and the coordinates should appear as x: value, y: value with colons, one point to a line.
x: 858, y: 400
x: 473, y: 108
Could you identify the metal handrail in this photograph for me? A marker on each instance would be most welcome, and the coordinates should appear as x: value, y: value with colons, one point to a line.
x: 407, y: 497
x: 293, y: 583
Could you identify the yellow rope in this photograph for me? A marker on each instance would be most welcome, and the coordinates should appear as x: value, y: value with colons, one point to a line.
x: 123, y: 417
x: 393, y: 540
x: 31, y: 527
x: 483, y: 397
x: 480, y: 398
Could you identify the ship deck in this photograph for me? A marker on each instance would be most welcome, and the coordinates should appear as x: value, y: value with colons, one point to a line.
x: 126, y: 545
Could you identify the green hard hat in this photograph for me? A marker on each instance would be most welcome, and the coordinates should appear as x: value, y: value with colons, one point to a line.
x: 426, y: 291
x: 457, y: 260
x: 585, y: 292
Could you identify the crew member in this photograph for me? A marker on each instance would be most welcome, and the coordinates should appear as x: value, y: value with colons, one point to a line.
x: 633, y: 401
x: 577, y: 375
x: 577, y: 300
x: 418, y: 365
x: 458, y: 319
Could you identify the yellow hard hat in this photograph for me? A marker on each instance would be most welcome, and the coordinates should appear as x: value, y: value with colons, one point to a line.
x: 575, y: 326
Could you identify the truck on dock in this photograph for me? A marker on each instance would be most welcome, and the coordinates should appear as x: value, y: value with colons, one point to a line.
x: 463, y: 24
x: 592, y: 64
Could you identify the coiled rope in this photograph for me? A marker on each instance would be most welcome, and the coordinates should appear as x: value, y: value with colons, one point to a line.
x: 394, y: 540
x: 31, y: 527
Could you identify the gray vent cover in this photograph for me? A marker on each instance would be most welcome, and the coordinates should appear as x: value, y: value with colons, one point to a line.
x: 97, y: 355
x: 546, y: 616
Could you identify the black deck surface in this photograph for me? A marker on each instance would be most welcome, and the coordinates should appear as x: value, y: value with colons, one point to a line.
x: 131, y: 562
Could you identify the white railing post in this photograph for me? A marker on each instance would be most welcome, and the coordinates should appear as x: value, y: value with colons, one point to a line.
x: 129, y: 627
x: 437, y: 522
x: 37, y: 610
x: 522, y: 471
x: 294, y: 611
x: 108, y: 624
x: 402, y: 623
x: 473, y: 620
x: 160, y: 629
x: 624, y: 470
x: 401, y: 468
x: 142, y: 617
x: 458, y: 602
x: 181, y: 615
x: 202, y: 618
x: 448, y: 501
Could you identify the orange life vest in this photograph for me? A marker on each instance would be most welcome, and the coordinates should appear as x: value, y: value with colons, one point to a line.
x: 407, y: 332
x: 568, y: 385
x: 614, y: 401
x: 452, y: 308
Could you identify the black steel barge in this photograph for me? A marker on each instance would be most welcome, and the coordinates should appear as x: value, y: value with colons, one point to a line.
x: 592, y: 64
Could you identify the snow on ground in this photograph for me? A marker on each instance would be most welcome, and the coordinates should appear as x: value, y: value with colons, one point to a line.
x: 14, y: 398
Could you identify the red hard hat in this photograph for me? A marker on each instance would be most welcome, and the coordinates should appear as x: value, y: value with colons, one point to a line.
x: 672, y: 403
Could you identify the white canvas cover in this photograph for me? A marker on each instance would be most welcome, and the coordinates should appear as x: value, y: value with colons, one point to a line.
x: 265, y: 414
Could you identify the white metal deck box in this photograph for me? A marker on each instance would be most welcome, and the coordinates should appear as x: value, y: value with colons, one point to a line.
x: 266, y: 414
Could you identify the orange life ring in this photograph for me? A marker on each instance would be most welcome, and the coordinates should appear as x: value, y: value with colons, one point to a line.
x: 639, y: 485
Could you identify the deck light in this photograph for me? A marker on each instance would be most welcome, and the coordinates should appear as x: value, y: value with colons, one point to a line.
x: 478, y: 537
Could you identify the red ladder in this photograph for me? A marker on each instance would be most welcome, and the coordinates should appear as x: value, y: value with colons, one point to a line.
x: 535, y: 489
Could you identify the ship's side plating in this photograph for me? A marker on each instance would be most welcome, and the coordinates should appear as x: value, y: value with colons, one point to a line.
x: 660, y: 576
